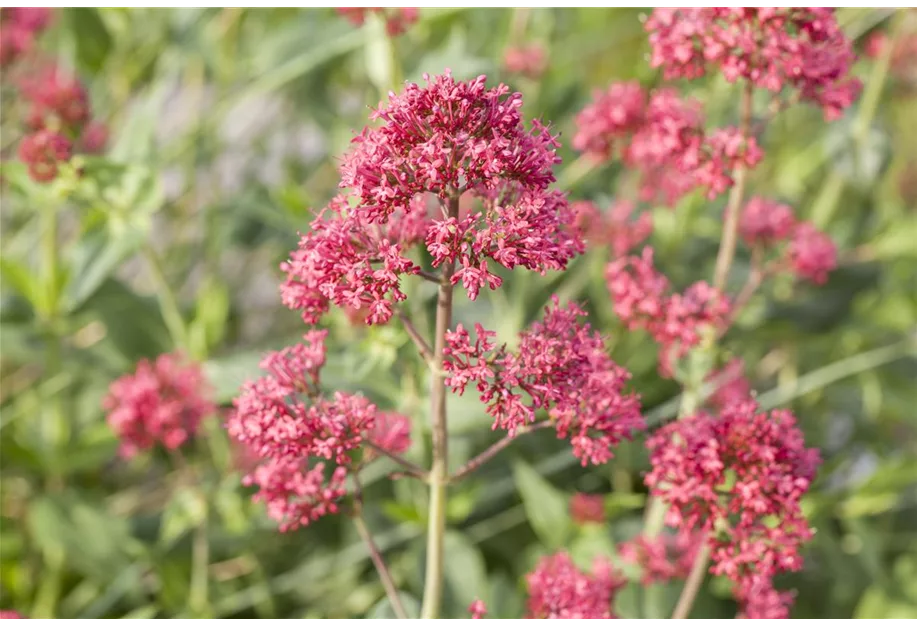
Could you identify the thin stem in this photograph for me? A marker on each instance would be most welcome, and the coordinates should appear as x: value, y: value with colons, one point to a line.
x: 376, y: 556
x: 755, y: 277
x: 693, y: 583
x: 728, y: 243
x: 439, y: 470
x: 198, y: 595
x: 432, y: 277
x: 168, y: 303
x: 493, y: 449
x: 410, y: 468
x: 422, y: 345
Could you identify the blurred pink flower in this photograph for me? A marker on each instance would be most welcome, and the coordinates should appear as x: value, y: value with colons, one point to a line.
x: 812, y: 254
x: 559, y: 590
x: 477, y: 609
x: 587, y: 508
x: 43, y: 151
x: 528, y: 60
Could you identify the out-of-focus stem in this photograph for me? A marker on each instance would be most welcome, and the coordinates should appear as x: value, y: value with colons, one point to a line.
x: 409, y: 468
x: 425, y: 351
x: 165, y: 295
x: 439, y: 470
x: 493, y: 449
x: 693, y: 583
x: 731, y: 226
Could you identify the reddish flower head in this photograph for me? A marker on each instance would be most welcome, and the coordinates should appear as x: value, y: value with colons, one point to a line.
x: 477, y: 609
x: 529, y: 61
x: 732, y: 386
x: 759, y: 600
x: 662, y: 558
x: 587, y: 508
x: 43, y: 152
x: 642, y: 301
x: 774, y: 48
x: 562, y: 367
x: 162, y: 402
x: 766, y: 222
x: 559, y: 590
x: 296, y: 495
x: 812, y: 254
x: 18, y: 28
x: 739, y: 476
x: 613, y: 228
x: 4, y: 614
x: 392, y: 432
x: 57, y: 96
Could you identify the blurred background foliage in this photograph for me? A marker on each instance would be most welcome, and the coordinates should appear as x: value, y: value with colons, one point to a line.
x: 226, y: 127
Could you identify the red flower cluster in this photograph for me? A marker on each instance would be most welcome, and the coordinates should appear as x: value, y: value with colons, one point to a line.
x: 759, y: 600
x: 59, y: 120
x: 662, y: 558
x: 19, y: 26
x: 739, y: 477
x: 642, y: 300
x: 529, y: 61
x: 274, y: 421
x: 397, y: 19
x: 587, y: 508
x: 802, y: 49
x: 662, y: 136
x: 559, y: 590
x: 731, y: 385
x: 614, y: 227
x: 391, y: 432
x: 561, y: 366
x: 810, y: 253
x: 477, y: 609
x: 162, y: 402
x: 447, y: 139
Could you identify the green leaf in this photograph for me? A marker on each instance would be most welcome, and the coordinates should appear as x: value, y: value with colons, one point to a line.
x: 95, y: 258
x: 185, y: 511
x: 383, y: 609
x: 18, y: 276
x: 545, y: 506
x: 92, y: 39
x: 464, y: 572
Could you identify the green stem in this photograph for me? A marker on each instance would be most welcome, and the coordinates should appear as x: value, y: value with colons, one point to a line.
x: 198, y: 596
x: 693, y: 583
x: 384, y: 575
x: 168, y: 302
x: 439, y: 470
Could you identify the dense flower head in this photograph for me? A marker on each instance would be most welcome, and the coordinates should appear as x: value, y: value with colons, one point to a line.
x: 18, y: 28
x: 57, y: 98
x: 528, y: 60
x: 392, y: 432
x: 587, y: 508
x: 4, y: 614
x: 812, y: 254
x: 449, y: 135
x: 477, y: 609
x: 642, y: 299
x: 461, y: 148
x: 397, y: 19
x: 766, y: 222
x: 802, y: 49
x: 306, y: 442
x: 759, y: 600
x: 43, y: 151
x: 731, y: 384
x: 294, y: 494
x: 614, y: 228
x: 161, y: 402
x: 739, y: 476
x: 559, y: 590
x: 662, y: 136
x: 562, y: 367
x: 94, y: 138
x: 662, y: 558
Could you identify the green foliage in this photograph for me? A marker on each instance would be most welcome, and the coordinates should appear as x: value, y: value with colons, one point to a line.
x: 226, y: 128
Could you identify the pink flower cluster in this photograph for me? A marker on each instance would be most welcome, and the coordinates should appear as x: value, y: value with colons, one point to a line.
x: 587, y: 508
x: 662, y: 136
x: 162, y: 402
x: 759, y: 600
x: 559, y: 590
x: 561, y: 366
x: 740, y: 477
x: 477, y: 609
x: 643, y: 300
x: 731, y: 385
x: 801, y: 49
x: 614, y: 227
x: 810, y: 254
x: 529, y: 60
x: 397, y: 19
x: 663, y: 558
x: 19, y: 26
x: 446, y: 141
x: 59, y: 121
x: 283, y: 419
